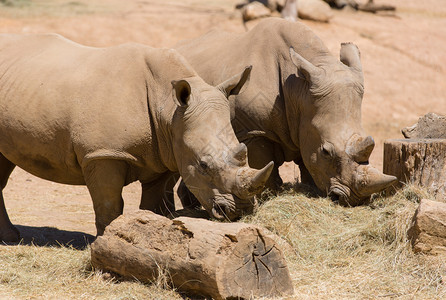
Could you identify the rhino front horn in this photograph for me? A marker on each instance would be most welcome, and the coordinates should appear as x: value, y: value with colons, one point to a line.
x: 259, y: 180
x: 250, y: 181
x: 369, y: 180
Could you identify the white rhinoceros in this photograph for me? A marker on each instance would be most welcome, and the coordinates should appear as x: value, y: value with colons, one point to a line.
x: 106, y: 117
x: 301, y: 105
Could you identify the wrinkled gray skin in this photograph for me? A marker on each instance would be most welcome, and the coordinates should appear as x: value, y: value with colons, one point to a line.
x: 302, y: 105
x: 106, y: 117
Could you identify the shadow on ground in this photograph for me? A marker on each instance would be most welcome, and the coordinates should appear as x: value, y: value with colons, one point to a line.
x: 50, y: 236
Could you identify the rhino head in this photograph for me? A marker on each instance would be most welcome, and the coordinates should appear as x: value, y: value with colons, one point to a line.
x: 334, y: 148
x: 211, y: 161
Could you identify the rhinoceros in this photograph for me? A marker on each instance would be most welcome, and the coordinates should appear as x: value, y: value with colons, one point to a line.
x: 302, y: 105
x: 105, y: 117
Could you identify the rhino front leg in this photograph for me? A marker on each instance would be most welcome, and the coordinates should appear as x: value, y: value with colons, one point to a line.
x: 188, y: 200
x: 105, y: 180
x: 305, y: 176
x: 158, y: 196
x: 8, y: 233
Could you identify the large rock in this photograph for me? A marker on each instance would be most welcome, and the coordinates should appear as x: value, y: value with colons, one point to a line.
x: 430, y: 126
x: 316, y: 10
x: 273, y: 5
x: 200, y: 257
x: 428, y: 230
x: 255, y: 10
x: 417, y: 161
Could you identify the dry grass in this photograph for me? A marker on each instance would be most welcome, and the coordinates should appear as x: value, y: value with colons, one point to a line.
x: 65, y: 273
x: 360, y: 252
x: 338, y: 252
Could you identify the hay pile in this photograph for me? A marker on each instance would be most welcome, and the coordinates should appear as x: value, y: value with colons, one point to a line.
x: 359, y: 252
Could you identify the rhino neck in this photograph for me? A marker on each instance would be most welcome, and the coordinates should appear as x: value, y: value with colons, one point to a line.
x: 296, y: 91
x: 165, y: 65
x: 162, y: 111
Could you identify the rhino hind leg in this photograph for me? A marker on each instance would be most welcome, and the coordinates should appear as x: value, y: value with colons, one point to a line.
x: 105, y: 180
x: 158, y: 195
x: 8, y: 233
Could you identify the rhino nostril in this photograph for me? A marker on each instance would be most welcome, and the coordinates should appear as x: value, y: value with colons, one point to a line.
x: 336, y: 194
x: 333, y: 196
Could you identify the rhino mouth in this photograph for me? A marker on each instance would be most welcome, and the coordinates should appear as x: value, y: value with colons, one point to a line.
x: 230, y: 207
x: 345, y: 196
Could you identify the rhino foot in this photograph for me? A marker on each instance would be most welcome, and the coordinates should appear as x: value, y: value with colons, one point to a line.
x: 9, y: 235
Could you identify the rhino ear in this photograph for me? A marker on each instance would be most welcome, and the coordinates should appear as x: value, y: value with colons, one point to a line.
x: 181, y: 92
x: 235, y: 84
x: 351, y: 57
x: 305, y: 69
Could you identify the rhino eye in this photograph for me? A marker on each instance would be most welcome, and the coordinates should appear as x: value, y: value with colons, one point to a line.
x: 204, y: 165
x: 327, y: 150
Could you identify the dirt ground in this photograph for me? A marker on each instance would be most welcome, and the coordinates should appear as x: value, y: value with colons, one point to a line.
x: 403, y: 59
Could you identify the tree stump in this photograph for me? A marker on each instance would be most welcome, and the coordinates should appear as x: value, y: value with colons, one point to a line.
x: 197, y: 256
x: 418, y: 161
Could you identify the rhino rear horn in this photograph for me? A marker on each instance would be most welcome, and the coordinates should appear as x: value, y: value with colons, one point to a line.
x: 351, y: 57
x: 305, y: 69
x: 235, y: 84
x: 360, y: 149
x: 240, y: 153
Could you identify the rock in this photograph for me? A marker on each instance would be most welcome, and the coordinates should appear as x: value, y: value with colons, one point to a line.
x: 337, y: 3
x: 200, y: 257
x: 428, y: 229
x: 255, y: 10
x: 371, y: 7
x: 430, y: 126
x: 316, y: 10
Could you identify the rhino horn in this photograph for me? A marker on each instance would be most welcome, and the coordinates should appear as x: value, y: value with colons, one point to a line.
x: 239, y: 153
x: 250, y: 181
x: 361, y: 148
x: 351, y: 57
x: 261, y: 176
x: 310, y: 72
x: 369, y: 180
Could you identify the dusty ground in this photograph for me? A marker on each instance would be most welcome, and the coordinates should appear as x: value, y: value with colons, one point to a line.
x: 402, y: 54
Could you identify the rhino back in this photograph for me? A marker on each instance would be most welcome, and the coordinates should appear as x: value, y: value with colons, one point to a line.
x: 62, y: 104
x: 261, y: 107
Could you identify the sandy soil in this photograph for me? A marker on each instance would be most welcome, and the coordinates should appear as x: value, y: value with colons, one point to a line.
x: 403, y: 59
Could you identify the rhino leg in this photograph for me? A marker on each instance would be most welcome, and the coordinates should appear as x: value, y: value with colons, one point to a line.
x: 8, y: 233
x: 305, y: 176
x: 260, y: 153
x: 105, y: 180
x: 188, y: 200
x: 158, y: 195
